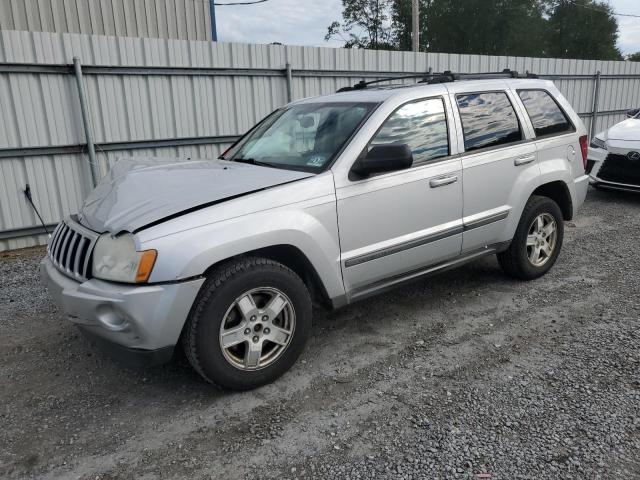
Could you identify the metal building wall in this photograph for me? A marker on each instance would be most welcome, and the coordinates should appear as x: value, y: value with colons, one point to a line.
x: 42, y: 109
x: 175, y: 19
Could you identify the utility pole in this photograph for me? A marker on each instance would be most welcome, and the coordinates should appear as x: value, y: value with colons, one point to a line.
x: 415, y: 26
x: 212, y: 13
x: 376, y: 25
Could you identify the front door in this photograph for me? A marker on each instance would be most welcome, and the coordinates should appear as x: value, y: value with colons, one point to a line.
x: 395, y: 223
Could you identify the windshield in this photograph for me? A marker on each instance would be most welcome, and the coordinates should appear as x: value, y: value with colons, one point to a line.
x: 301, y: 137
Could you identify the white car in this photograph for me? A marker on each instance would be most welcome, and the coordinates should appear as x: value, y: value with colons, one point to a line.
x: 613, y: 160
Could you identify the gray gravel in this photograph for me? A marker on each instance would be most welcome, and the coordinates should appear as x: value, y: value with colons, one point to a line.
x: 465, y: 375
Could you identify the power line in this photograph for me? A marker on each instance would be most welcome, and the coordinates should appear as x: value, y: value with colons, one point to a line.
x: 595, y: 9
x: 239, y: 3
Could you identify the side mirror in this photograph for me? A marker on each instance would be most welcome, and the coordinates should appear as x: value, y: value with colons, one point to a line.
x: 633, y: 112
x: 384, y: 158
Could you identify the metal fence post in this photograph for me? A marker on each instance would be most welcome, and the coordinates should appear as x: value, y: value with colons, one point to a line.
x: 596, y: 99
x: 289, y: 81
x: 85, y: 121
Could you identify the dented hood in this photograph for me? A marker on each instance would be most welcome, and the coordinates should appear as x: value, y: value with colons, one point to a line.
x: 138, y: 192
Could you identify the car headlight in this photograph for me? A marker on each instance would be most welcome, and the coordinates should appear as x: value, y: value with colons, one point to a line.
x: 116, y: 259
x: 598, y: 143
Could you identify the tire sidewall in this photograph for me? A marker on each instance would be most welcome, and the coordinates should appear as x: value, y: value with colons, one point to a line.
x: 211, y: 314
x: 543, y: 205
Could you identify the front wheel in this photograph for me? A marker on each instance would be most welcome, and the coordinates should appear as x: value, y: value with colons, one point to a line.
x: 249, y: 324
x: 537, y: 241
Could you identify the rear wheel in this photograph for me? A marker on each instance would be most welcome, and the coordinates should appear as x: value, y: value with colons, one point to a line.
x: 249, y: 324
x: 537, y: 241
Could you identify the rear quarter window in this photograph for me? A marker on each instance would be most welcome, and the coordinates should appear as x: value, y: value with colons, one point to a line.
x: 488, y: 120
x: 546, y: 115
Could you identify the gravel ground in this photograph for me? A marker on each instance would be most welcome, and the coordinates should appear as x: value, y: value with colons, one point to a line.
x: 465, y: 375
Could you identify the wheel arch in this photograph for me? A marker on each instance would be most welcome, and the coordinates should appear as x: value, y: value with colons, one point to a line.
x: 558, y: 191
x: 291, y: 257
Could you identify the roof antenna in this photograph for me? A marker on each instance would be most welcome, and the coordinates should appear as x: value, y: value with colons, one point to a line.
x: 27, y: 193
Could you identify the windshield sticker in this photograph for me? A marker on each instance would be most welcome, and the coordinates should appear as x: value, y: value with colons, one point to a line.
x: 316, y: 161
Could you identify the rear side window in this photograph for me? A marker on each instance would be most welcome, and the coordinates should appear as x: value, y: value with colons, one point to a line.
x: 422, y: 125
x: 545, y: 114
x: 488, y: 120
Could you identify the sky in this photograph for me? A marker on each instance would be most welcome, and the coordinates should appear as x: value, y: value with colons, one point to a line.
x: 305, y: 22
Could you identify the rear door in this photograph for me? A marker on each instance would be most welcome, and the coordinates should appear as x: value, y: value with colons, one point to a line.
x: 499, y: 160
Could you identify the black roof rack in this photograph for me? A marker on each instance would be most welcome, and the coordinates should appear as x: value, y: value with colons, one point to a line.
x: 443, y: 77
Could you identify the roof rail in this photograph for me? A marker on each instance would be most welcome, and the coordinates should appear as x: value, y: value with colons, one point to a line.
x: 506, y: 73
x: 362, y: 84
x: 444, y: 77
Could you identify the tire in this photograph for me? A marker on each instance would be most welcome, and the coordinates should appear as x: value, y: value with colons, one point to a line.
x: 235, y: 299
x: 517, y: 260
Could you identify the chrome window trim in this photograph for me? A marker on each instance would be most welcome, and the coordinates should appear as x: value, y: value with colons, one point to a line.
x: 550, y: 135
x: 432, y: 161
x: 522, y: 140
x: 497, y: 147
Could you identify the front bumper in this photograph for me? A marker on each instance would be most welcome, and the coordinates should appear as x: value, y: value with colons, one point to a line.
x: 623, y: 187
x: 624, y: 180
x: 137, y: 324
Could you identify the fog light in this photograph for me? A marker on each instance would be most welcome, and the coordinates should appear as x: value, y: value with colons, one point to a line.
x: 111, y: 318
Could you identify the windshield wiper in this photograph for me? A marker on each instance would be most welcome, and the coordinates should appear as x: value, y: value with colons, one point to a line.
x: 253, y: 161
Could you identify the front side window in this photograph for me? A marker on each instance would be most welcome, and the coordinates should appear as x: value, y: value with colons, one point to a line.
x: 488, y: 120
x: 301, y: 137
x: 545, y: 114
x: 422, y: 125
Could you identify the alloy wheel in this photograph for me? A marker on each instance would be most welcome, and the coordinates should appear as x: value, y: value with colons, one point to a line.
x: 541, y: 239
x: 257, y: 328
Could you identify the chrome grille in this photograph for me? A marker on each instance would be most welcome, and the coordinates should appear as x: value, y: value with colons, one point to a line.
x: 70, y: 249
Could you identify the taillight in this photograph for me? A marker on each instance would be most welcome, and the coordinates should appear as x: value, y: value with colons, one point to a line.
x: 584, y: 147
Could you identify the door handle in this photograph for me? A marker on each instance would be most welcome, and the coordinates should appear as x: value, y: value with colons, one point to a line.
x: 523, y: 160
x: 442, y: 181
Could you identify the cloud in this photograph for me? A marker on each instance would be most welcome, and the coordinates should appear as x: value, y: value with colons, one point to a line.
x: 629, y: 27
x: 629, y: 39
x: 292, y: 22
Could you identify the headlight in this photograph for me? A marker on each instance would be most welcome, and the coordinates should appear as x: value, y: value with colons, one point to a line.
x: 116, y: 259
x: 598, y: 143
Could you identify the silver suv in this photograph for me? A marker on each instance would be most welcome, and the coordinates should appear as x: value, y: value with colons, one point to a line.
x: 327, y: 200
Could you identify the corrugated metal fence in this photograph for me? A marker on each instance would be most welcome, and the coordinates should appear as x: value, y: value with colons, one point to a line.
x: 191, y: 99
x: 178, y: 19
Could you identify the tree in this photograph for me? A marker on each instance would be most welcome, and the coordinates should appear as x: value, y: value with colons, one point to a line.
x: 486, y: 27
x: 583, y: 29
x: 634, y: 57
x: 539, y: 28
x: 365, y: 24
x: 401, y: 23
x: 489, y: 27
